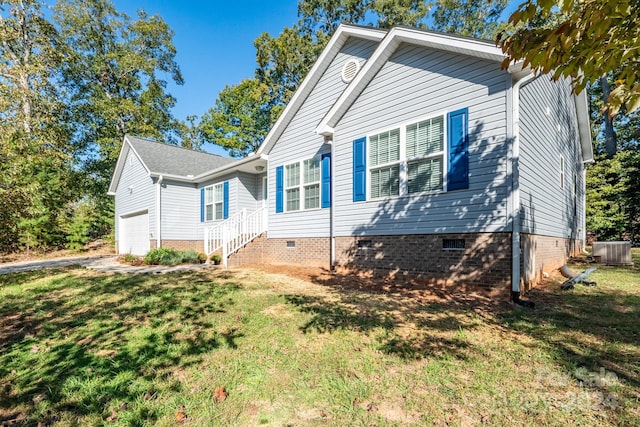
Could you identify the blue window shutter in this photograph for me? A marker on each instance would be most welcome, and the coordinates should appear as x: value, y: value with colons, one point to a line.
x: 225, y: 200
x: 360, y: 169
x: 325, y: 173
x: 279, y: 189
x: 458, y: 140
x: 202, y: 204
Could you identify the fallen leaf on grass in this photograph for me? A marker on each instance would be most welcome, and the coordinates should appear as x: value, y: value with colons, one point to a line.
x: 181, y: 416
x: 220, y: 394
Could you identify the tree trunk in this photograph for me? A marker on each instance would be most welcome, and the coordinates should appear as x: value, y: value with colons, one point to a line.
x: 610, y: 138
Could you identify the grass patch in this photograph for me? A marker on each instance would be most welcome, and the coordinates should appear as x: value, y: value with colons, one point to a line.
x: 83, y: 348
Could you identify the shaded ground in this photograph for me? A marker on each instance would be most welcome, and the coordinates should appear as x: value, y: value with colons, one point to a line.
x: 307, y: 347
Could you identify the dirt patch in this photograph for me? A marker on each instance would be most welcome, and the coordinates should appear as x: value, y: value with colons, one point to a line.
x: 414, y: 290
x: 278, y: 311
x: 98, y: 247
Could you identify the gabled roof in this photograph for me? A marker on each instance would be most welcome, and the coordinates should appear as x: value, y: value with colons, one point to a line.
x: 164, y: 159
x: 397, y: 35
x: 339, y: 38
x: 167, y: 160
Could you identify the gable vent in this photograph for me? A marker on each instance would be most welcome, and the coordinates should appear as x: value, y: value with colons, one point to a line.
x: 350, y: 69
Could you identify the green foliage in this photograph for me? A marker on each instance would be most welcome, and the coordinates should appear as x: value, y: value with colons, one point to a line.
x: 591, y: 38
x: 168, y: 256
x: 240, y: 119
x: 216, y: 259
x: 613, y: 201
x: 115, y: 75
x: 80, y: 224
x: 190, y: 256
x: 35, y: 154
x: 474, y: 18
x: 71, y: 86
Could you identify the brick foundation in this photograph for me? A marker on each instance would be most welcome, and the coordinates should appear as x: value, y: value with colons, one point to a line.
x: 483, y: 260
x: 182, y: 245
x: 543, y: 254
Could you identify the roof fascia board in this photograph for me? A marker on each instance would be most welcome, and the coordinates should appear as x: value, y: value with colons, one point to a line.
x: 389, y: 44
x: 229, y: 167
x: 336, y: 42
x: 120, y: 164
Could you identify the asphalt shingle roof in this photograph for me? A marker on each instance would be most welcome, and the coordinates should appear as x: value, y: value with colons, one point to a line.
x: 173, y: 160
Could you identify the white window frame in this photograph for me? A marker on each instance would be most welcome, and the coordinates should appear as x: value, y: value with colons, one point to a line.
x: 371, y: 168
x: 214, y: 201
x: 404, y: 161
x: 302, y: 186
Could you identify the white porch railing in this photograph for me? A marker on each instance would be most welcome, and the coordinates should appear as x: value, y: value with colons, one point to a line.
x: 235, y: 232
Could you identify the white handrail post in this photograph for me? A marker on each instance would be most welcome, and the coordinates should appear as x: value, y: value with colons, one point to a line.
x: 225, y: 244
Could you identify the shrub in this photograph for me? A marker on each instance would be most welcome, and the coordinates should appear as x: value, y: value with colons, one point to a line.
x: 168, y: 256
x: 202, y: 257
x: 163, y: 256
x: 216, y: 258
x: 190, y: 256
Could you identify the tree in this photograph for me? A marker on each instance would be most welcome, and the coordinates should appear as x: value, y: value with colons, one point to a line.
x: 114, y: 72
x: 592, y: 38
x: 473, y: 18
x: 241, y: 117
x: 35, y: 156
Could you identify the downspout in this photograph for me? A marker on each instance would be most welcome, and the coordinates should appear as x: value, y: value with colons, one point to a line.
x: 332, y: 212
x: 158, y: 212
x: 515, y: 194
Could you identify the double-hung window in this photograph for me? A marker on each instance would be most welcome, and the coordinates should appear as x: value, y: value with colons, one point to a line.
x: 292, y: 186
x: 311, y: 183
x: 214, y: 202
x: 425, y: 155
x: 384, y: 159
x: 302, y: 185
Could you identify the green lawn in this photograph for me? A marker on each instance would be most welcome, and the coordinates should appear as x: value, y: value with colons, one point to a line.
x: 83, y: 348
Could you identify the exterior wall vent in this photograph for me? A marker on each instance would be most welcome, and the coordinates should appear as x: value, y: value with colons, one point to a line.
x: 453, y: 244
x: 613, y: 253
x: 350, y: 69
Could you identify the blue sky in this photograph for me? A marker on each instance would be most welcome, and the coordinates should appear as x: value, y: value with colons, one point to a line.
x: 214, y: 40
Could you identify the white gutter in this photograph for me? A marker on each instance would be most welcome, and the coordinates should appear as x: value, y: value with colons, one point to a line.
x: 515, y: 188
x: 159, y: 212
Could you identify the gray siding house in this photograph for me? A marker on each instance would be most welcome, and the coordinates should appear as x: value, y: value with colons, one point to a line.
x: 402, y: 151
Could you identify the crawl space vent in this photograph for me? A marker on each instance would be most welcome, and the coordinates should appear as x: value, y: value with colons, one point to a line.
x: 350, y: 69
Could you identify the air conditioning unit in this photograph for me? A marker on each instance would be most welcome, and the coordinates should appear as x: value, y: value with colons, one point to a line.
x: 612, y: 253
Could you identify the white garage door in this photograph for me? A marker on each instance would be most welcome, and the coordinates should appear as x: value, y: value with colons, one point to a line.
x: 134, y: 234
